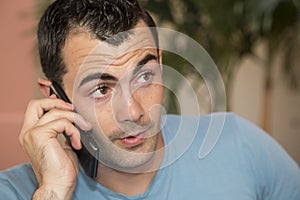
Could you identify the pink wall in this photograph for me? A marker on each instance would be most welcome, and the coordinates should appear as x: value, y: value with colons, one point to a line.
x: 17, y: 76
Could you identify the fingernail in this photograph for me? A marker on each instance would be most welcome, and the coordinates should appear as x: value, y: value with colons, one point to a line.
x: 53, y: 96
x: 70, y: 105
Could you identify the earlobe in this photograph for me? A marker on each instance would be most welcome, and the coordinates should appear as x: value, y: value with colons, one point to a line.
x: 44, y: 86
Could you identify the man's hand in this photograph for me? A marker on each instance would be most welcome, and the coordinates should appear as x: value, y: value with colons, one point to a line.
x: 55, y: 165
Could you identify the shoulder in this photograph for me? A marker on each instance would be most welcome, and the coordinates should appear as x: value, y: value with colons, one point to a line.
x: 226, y: 148
x: 241, y: 148
x: 218, y: 129
x: 232, y: 132
x: 275, y: 172
x: 17, y: 182
x: 210, y: 130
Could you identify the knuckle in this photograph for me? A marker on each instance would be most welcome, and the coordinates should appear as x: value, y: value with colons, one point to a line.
x: 25, y: 138
x: 55, y: 115
x: 58, y: 113
x: 32, y: 103
x: 30, y: 135
x: 65, y: 121
x: 52, y: 112
x: 68, y: 125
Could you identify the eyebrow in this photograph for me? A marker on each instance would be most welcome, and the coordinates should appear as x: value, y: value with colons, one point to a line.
x: 107, y: 76
x: 97, y: 76
x: 144, y: 61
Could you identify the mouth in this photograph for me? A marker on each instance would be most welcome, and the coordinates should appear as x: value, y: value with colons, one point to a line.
x: 132, y: 140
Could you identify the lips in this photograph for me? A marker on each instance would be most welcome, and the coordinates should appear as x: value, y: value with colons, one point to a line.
x: 133, y: 140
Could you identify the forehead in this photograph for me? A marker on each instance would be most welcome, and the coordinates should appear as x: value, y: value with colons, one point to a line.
x: 83, y: 52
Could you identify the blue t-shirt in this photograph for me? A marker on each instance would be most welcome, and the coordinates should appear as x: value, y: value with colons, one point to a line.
x: 217, y: 157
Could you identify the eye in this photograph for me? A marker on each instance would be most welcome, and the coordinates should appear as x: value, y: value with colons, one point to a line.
x: 101, y: 92
x: 145, y: 77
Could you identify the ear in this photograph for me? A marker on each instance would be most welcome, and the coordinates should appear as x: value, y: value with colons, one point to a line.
x: 44, y: 86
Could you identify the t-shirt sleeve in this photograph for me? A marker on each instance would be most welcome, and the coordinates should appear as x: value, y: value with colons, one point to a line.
x: 17, y: 182
x: 7, y: 191
x: 277, y: 174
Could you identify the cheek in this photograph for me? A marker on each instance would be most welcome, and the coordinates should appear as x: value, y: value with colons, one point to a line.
x: 98, y: 115
x: 150, y: 99
x: 159, y: 93
x: 156, y: 102
x: 153, y: 95
x: 104, y: 119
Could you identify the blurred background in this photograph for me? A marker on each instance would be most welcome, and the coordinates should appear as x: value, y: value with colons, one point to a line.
x: 255, y: 44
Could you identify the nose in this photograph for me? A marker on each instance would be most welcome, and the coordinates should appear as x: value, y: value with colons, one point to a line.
x: 128, y: 109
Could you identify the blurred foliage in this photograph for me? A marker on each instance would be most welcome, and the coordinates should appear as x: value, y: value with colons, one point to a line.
x: 230, y: 29
x: 41, y: 6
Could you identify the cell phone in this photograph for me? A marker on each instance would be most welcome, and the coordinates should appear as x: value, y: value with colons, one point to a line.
x: 88, y: 155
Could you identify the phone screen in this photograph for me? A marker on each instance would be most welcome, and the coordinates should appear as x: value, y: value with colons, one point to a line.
x: 88, y: 155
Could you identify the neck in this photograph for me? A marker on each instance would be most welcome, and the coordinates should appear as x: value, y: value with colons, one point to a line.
x: 131, y: 184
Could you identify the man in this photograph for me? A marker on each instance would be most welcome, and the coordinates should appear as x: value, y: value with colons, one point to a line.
x: 107, y: 59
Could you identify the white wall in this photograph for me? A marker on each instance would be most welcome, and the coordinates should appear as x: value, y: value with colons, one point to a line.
x: 247, y: 99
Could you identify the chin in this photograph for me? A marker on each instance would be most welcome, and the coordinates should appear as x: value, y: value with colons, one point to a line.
x: 133, y: 160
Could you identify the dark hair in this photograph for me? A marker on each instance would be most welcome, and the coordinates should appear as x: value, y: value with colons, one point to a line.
x: 101, y: 18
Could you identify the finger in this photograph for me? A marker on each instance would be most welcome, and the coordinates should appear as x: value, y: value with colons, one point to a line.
x: 71, y: 154
x: 36, y: 108
x: 66, y: 127
x: 53, y: 96
x: 43, y: 134
x: 56, y: 114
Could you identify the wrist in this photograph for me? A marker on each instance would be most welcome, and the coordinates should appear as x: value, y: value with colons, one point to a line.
x: 42, y: 193
x: 52, y: 193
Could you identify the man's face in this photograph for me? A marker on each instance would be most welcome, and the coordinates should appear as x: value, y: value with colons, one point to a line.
x: 119, y: 90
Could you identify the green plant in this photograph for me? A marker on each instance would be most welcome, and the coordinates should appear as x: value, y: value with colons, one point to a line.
x: 230, y: 29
